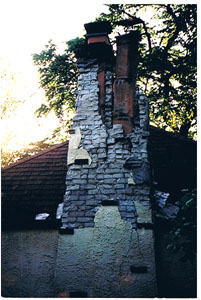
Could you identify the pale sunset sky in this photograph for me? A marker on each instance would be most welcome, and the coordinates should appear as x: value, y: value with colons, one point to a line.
x: 26, y: 27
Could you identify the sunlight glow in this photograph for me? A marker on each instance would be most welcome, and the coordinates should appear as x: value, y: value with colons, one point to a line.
x: 27, y: 28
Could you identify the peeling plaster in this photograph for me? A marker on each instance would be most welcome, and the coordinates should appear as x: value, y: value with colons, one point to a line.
x: 144, y: 214
x: 97, y: 260
x: 73, y: 151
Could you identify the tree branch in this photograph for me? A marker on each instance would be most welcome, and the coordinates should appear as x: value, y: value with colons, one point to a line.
x: 137, y: 21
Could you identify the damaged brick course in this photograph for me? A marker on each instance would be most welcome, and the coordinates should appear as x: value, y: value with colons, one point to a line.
x: 115, y: 167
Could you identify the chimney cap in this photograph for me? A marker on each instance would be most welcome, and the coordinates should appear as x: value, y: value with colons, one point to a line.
x: 132, y: 35
x: 98, y: 27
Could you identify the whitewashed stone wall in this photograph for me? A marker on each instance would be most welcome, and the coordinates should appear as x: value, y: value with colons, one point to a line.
x: 107, y: 245
x: 117, y: 171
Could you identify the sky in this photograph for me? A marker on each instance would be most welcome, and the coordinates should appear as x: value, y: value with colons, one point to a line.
x: 26, y: 27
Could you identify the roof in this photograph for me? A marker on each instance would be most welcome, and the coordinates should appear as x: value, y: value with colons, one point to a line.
x: 173, y: 160
x: 37, y: 184
x: 34, y: 185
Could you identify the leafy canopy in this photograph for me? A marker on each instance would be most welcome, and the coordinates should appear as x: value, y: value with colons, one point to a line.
x: 184, y: 228
x: 167, y: 70
x: 167, y: 66
x: 13, y: 101
x: 58, y: 78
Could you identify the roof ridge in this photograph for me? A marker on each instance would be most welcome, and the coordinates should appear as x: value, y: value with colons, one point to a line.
x: 173, y: 134
x: 23, y: 160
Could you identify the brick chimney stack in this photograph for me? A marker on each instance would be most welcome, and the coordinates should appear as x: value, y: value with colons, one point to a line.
x: 106, y: 247
x: 124, y: 69
x: 125, y: 81
x: 99, y: 47
x: 97, y: 32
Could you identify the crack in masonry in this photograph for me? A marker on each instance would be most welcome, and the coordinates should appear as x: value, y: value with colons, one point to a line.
x: 127, y: 253
x: 126, y: 256
x: 138, y: 240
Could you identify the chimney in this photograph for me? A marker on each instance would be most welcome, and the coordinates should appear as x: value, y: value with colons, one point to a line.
x: 99, y: 47
x: 125, y: 81
x: 97, y: 32
x: 107, y: 208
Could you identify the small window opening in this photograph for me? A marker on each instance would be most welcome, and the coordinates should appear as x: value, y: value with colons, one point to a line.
x: 78, y: 294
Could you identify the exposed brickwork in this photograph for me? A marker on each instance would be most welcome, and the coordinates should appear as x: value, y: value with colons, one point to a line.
x: 120, y: 169
x: 27, y: 181
x: 125, y: 80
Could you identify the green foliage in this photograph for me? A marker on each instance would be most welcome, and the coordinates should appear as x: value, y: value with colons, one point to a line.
x: 12, y: 156
x: 184, y: 230
x: 167, y: 70
x: 58, y: 77
x: 9, y: 82
x: 76, y: 43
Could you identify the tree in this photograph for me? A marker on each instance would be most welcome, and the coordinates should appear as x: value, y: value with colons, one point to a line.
x: 58, y: 77
x: 166, y: 71
x: 184, y: 228
x: 13, y: 102
x: 9, y: 82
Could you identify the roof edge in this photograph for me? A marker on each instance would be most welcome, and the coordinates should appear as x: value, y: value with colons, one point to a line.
x: 173, y: 135
x: 21, y: 161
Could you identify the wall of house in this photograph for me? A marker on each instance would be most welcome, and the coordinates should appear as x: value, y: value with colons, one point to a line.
x: 28, y: 263
x: 106, y: 246
x: 109, y: 260
x: 31, y: 267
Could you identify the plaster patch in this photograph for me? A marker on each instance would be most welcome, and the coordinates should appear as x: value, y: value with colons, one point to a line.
x: 73, y: 151
x: 110, y: 217
x: 131, y: 181
x: 97, y: 260
x: 144, y: 214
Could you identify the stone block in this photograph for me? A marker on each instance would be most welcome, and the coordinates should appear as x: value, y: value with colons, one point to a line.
x: 84, y: 219
x: 71, y: 219
x: 90, y: 186
x: 119, y: 186
x: 106, y: 186
x: 76, y: 214
x: 92, y: 192
x: 90, y: 202
x: 89, y: 213
x: 101, y: 197
x: 108, y: 181
x: 73, y: 187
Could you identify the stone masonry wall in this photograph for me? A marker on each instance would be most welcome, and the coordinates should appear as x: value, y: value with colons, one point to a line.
x: 105, y: 166
x: 106, y: 246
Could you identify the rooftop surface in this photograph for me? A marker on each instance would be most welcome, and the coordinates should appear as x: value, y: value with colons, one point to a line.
x: 36, y: 184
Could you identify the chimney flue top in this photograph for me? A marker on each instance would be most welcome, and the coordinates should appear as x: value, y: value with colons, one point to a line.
x: 97, y: 32
x: 98, y: 27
